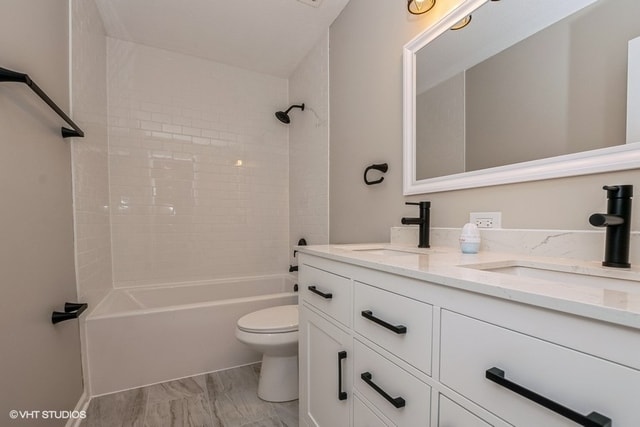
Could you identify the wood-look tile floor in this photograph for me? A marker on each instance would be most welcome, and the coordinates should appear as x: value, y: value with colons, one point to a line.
x: 220, y: 399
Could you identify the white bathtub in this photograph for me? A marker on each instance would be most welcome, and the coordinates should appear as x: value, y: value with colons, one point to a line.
x: 142, y: 336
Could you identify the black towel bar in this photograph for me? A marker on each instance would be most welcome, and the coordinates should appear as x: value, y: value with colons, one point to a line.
x: 14, y: 76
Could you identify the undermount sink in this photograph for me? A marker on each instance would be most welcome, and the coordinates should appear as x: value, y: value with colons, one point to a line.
x: 567, y: 274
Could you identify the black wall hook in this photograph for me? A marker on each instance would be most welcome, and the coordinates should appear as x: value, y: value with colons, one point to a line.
x: 72, y: 310
x: 382, y: 167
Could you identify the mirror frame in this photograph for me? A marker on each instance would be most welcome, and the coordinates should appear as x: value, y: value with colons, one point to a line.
x: 621, y: 157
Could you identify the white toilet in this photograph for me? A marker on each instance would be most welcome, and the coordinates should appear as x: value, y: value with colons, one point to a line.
x: 274, y: 332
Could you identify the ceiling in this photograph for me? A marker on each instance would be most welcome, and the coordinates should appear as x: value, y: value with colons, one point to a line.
x: 495, y: 26
x: 267, y: 36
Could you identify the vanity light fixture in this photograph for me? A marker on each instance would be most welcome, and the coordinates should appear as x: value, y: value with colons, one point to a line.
x: 461, y: 23
x: 418, y: 7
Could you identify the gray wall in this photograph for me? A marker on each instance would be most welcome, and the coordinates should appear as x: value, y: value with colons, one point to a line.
x: 560, y: 91
x: 440, y: 129
x: 366, y: 126
x: 40, y: 367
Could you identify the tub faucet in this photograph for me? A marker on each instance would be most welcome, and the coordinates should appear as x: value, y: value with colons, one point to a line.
x: 422, y: 221
x: 618, y: 223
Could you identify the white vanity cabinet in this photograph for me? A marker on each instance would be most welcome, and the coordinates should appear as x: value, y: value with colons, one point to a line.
x: 421, y: 353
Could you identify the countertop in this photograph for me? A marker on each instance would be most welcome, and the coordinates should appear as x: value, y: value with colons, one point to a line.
x: 614, y: 301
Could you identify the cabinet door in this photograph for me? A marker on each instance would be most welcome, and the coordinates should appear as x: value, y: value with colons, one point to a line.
x: 325, y: 372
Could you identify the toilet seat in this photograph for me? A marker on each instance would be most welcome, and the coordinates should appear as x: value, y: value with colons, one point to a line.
x: 271, y: 320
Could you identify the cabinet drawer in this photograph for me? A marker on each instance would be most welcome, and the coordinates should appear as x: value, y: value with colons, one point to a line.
x: 364, y: 417
x: 580, y: 382
x: 401, y: 325
x: 327, y: 292
x: 453, y: 415
x: 412, y: 396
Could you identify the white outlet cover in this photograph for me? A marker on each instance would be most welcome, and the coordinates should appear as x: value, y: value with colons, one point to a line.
x: 494, y: 217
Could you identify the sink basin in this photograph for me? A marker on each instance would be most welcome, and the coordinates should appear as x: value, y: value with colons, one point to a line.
x: 567, y: 274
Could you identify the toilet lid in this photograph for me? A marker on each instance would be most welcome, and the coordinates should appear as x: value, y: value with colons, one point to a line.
x: 279, y: 319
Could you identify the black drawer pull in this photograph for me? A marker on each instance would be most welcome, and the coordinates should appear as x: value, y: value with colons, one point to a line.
x: 313, y: 289
x: 398, y: 329
x: 397, y: 402
x: 594, y: 419
x: 342, y: 395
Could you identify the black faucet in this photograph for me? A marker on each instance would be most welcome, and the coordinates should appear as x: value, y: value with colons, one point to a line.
x: 301, y: 242
x: 423, y: 222
x: 618, y: 223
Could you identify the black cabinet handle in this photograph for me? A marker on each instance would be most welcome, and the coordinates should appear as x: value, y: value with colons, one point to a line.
x: 342, y: 395
x: 72, y: 310
x: 322, y: 294
x: 594, y: 419
x: 398, y: 329
x: 397, y: 402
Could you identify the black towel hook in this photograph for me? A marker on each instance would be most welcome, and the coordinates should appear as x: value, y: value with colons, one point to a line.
x: 382, y: 167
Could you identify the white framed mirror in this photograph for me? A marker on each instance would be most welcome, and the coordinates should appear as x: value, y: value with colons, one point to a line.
x: 462, y: 129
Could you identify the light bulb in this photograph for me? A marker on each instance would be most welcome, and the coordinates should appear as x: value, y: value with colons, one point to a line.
x: 418, y: 7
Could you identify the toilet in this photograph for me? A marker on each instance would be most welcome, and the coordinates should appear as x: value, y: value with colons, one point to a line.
x: 274, y: 333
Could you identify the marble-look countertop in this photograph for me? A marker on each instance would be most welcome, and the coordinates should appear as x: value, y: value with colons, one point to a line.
x: 615, y: 298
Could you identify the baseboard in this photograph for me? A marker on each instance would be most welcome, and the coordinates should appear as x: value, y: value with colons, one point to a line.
x: 81, y: 407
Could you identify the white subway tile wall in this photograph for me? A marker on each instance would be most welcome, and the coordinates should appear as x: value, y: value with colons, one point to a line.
x: 309, y: 148
x: 199, y: 168
x: 90, y: 154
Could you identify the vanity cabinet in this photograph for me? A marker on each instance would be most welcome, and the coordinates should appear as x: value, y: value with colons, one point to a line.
x: 423, y: 353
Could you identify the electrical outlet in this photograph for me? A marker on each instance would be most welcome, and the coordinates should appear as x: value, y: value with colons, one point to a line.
x: 486, y: 219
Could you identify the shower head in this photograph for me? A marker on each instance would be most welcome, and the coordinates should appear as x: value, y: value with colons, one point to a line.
x: 283, y: 116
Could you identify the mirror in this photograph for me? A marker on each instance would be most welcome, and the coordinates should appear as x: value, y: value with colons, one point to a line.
x: 529, y: 90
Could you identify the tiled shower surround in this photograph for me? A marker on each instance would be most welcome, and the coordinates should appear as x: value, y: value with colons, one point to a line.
x: 198, y: 168
x: 90, y: 154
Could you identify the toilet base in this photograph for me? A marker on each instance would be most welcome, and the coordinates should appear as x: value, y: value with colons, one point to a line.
x: 278, y: 378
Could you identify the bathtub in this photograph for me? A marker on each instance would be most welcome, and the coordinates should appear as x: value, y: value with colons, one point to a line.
x: 145, y: 335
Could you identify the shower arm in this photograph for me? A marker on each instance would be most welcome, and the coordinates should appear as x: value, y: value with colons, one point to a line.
x: 301, y: 106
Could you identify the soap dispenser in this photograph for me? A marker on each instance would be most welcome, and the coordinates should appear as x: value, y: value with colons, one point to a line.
x: 470, y: 239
